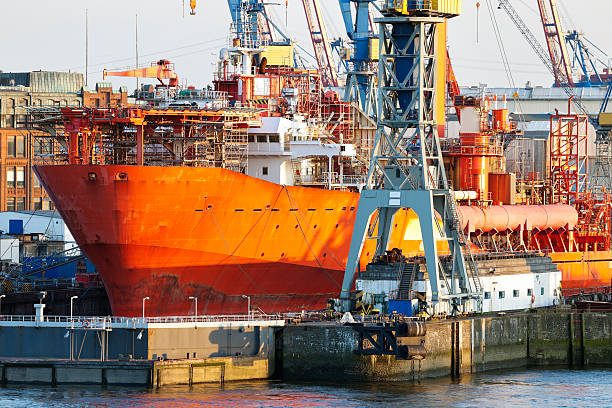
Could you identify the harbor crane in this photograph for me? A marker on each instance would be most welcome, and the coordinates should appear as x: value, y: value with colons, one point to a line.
x: 320, y: 42
x: 361, y: 76
x: 407, y: 168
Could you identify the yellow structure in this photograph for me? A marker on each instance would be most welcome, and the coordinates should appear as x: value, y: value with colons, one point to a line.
x: 449, y: 8
x: 374, y: 49
x: 278, y: 55
x: 605, y: 119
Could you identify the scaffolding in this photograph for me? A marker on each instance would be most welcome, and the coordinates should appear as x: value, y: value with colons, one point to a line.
x: 138, y: 136
x: 568, y: 157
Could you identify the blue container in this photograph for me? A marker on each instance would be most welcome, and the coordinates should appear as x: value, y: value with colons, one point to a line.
x: 62, y: 271
x: 15, y: 227
x: 403, y: 307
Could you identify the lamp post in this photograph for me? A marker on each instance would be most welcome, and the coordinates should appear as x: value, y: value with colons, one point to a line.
x: 196, y: 305
x: 71, y: 302
x: 1, y: 297
x: 248, y: 305
x: 144, y: 299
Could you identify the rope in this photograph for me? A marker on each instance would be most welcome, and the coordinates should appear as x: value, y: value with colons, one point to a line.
x: 240, y: 266
x: 291, y: 203
x: 324, y: 246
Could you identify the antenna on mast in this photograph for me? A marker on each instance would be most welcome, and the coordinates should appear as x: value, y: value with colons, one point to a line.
x: 137, y: 80
x: 86, y: 46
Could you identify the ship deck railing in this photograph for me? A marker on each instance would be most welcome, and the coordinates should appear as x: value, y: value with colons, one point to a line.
x: 110, y: 322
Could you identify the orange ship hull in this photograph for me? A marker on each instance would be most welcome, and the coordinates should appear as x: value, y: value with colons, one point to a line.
x: 174, y: 232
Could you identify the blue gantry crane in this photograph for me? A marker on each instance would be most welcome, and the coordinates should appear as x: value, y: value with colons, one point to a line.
x: 407, y: 168
x: 363, y: 55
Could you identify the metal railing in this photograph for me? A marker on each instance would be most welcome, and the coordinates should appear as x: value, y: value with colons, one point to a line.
x: 107, y: 321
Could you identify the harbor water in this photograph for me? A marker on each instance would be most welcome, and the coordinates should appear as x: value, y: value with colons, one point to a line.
x: 558, y: 387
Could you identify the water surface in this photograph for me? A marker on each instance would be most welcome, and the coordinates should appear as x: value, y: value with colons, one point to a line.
x: 521, y: 388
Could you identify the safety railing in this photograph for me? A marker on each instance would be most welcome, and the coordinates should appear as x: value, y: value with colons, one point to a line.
x: 102, y: 321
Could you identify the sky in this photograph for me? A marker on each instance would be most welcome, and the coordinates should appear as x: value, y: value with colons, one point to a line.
x: 50, y: 35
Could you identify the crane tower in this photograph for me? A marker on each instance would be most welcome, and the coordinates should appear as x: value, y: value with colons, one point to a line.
x: 407, y: 170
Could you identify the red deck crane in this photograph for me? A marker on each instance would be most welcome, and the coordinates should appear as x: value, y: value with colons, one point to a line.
x: 161, y: 70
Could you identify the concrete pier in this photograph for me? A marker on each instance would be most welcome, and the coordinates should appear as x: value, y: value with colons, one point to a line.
x: 215, y: 349
x: 324, y: 352
x: 137, y: 351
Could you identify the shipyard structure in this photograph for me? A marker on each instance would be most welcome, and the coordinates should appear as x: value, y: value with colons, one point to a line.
x: 276, y: 190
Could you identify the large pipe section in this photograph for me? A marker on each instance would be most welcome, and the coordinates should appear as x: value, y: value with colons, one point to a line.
x: 512, y: 217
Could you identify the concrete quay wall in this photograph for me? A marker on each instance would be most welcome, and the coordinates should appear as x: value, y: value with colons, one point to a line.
x: 326, y: 352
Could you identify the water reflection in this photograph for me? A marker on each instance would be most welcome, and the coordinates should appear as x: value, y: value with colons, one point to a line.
x: 525, y: 388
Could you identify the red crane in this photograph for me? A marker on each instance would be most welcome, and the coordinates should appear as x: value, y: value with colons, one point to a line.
x: 555, y: 40
x: 320, y: 42
x: 161, y: 70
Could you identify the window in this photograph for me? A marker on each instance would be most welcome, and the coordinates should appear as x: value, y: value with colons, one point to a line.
x: 262, y: 138
x: 10, y: 204
x: 487, y: 295
x: 542, y: 291
x: 35, y: 181
x: 274, y: 139
x: 10, y: 177
x: 46, y: 205
x: 11, y: 146
x: 37, y: 203
x: 251, y: 138
x: 10, y: 121
x: 20, y: 142
x: 37, y: 146
x: 20, y: 177
x: 20, y: 204
x: 515, y: 293
x: 264, y: 171
x: 502, y: 294
x: 529, y: 292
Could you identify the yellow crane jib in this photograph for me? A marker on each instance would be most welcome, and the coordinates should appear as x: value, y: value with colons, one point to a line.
x: 448, y: 8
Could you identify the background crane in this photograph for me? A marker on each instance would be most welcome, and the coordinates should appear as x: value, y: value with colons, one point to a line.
x: 320, y: 42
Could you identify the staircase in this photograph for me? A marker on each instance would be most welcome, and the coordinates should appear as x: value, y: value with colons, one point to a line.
x: 296, y: 169
x: 408, y: 272
x: 472, y: 268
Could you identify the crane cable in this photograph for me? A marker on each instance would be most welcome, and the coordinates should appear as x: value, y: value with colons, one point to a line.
x: 504, y: 56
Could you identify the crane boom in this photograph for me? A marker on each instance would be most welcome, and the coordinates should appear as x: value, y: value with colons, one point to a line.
x: 541, y: 53
x: 162, y: 69
x: 531, y: 39
x: 320, y: 42
x: 555, y: 40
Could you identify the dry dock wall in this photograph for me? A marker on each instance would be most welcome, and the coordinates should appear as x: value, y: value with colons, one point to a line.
x: 146, y: 344
x: 325, y: 352
x: 155, y: 355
